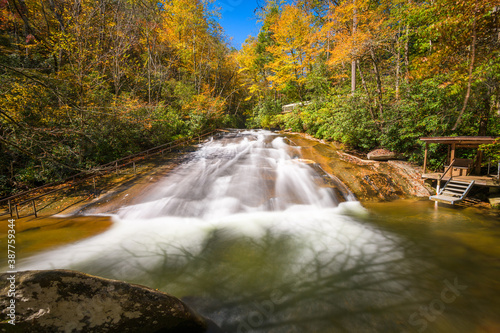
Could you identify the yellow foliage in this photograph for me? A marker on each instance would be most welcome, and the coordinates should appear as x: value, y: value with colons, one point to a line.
x: 353, y: 27
x: 252, y: 72
x: 294, y: 50
x: 205, y: 104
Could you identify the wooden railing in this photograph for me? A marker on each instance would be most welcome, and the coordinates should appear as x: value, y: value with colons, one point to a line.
x: 13, y: 206
x: 444, y: 173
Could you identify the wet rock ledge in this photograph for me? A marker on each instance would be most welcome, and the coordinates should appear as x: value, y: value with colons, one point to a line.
x: 69, y: 301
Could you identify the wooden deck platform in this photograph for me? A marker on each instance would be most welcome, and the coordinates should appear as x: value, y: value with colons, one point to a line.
x: 489, y: 181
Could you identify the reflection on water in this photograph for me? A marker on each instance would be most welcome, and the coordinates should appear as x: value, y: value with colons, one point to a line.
x: 247, y: 236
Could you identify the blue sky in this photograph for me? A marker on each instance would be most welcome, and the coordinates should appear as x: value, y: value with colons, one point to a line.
x: 238, y: 19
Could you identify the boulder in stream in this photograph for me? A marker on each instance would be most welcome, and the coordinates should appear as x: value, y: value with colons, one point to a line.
x: 381, y: 155
x: 69, y: 301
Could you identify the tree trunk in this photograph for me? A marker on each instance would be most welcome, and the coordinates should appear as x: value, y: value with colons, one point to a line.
x: 353, y: 62
x: 367, y: 93
x: 398, y: 61
x: 407, y: 50
x: 471, y: 68
x: 407, y: 53
x: 485, y: 114
x: 379, y: 82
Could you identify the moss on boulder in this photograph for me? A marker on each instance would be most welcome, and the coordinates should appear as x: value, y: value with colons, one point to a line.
x: 69, y: 301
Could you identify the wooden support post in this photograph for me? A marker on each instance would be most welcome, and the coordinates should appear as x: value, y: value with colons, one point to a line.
x: 489, y: 165
x: 93, y: 183
x: 425, y: 157
x: 479, y: 160
x: 10, y: 208
x: 116, y: 167
x: 17, y: 212
x: 452, y: 155
x: 34, y: 207
x: 133, y: 163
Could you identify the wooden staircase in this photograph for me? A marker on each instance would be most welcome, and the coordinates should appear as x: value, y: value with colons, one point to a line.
x: 453, y: 191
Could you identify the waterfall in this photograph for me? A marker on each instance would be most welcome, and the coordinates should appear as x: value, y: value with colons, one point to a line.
x: 248, y: 172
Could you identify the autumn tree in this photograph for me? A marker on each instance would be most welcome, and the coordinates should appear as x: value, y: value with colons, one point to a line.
x: 460, y: 44
x: 359, y: 31
x: 294, y: 50
x: 86, y: 82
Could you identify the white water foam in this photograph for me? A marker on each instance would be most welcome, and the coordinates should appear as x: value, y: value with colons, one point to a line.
x: 248, y: 185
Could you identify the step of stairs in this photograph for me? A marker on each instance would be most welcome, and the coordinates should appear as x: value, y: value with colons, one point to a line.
x: 453, y: 191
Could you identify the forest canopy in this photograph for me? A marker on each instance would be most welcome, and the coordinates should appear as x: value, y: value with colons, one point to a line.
x: 85, y: 82
x: 377, y: 73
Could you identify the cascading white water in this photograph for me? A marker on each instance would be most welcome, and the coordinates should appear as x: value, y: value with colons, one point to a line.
x: 244, y: 207
x: 254, y: 172
x: 248, y: 182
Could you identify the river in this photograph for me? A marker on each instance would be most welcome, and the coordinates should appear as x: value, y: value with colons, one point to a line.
x: 251, y: 236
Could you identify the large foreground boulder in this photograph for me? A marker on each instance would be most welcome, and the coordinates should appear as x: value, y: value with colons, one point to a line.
x: 69, y: 301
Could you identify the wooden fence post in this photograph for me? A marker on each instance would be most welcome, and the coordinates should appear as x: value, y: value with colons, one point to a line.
x: 10, y: 208
x: 93, y: 182
x: 133, y: 163
x: 116, y: 167
x: 34, y: 207
x: 17, y: 212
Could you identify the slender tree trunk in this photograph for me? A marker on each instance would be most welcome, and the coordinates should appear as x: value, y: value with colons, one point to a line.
x: 363, y: 82
x: 379, y: 82
x: 62, y: 26
x: 398, y: 61
x: 407, y: 49
x: 484, y: 115
x: 149, y: 67
x: 353, y: 62
x: 471, y: 68
x: 407, y: 53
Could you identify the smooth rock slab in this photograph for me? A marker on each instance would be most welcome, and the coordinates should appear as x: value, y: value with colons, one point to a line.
x: 69, y: 301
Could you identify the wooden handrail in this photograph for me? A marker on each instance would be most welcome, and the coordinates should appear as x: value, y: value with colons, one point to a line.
x: 447, y: 169
x: 102, y: 168
x: 438, y: 187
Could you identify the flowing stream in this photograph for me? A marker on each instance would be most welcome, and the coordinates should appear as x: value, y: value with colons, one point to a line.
x: 259, y: 240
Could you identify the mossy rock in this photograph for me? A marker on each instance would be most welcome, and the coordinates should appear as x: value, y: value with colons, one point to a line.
x: 495, y: 202
x: 69, y: 301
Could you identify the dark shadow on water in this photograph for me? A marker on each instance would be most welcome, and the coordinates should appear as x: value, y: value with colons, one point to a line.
x: 279, y: 284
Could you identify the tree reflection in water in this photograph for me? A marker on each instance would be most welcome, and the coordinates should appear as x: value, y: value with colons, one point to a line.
x: 302, y: 271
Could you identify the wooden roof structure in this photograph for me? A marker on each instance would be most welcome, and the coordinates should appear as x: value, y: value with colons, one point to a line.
x: 455, y: 142
x: 461, y: 141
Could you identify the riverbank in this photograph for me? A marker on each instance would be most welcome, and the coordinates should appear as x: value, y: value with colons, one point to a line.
x: 373, y: 181
x: 368, y: 180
